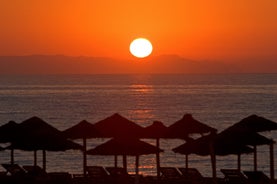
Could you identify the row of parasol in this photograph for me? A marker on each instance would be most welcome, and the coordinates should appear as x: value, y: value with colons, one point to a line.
x: 35, y: 134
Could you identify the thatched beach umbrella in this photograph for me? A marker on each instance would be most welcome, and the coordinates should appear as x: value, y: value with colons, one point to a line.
x: 244, y: 138
x: 201, y: 146
x: 118, y: 126
x: 54, y: 143
x: 224, y: 143
x: 212, y: 145
x: 125, y: 147
x: 8, y: 133
x: 256, y: 123
x: 156, y: 131
x: 182, y: 128
x: 35, y: 134
x: 82, y: 130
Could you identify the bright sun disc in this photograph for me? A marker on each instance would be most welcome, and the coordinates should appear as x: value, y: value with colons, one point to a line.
x: 141, y: 47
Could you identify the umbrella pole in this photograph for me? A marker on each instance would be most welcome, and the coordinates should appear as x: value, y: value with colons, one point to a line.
x: 115, y: 161
x: 239, y: 162
x: 125, y: 162
x: 44, y: 160
x: 137, y: 170
x: 187, y: 161
x: 84, y: 155
x: 213, y: 161
x: 271, y: 161
x: 35, y: 158
x: 255, y: 158
x: 12, y: 156
x: 158, y: 157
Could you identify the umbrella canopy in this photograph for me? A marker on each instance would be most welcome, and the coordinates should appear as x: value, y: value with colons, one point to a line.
x: 7, y: 132
x: 83, y: 129
x: 120, y: 146
x: 254, y: 123
x: 49, y: 144
x: 35, y: 134
x: 156, y: 130
x: 188, y: 125
x: 229, y: 136
x: 36, y: 127
x: 202, y: 145
x: 118, y: 126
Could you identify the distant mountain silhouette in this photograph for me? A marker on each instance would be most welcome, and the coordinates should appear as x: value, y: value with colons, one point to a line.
x: 59, y: 64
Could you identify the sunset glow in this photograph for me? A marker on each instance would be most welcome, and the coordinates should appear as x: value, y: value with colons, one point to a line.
x: 232, y: 33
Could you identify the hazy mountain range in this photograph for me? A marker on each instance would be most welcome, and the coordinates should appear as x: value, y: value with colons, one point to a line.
x: 59, y: 64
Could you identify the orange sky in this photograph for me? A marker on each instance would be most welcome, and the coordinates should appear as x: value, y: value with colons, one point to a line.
x: 231, y: 30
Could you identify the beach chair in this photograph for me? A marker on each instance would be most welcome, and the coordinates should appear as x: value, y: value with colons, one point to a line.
x: 234, y: 176
x: 4, y: 178
x: 120, y: 175
x: 60, y: 178
x: 34, y: 170
x: 171, y: 175
x: 14, y: 169
x: 97, y: 174
x: 116, y: 171
x: 80, y: 179
x: 170, y: 172
x: 192, y: 175
x: 257, y: 177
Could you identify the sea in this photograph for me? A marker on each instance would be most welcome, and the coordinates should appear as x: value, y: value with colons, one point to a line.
x: 218, y: 100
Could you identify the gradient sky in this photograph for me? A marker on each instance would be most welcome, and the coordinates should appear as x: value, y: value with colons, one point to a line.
x: 231, y: 30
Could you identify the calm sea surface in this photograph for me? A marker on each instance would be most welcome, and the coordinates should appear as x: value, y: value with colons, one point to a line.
x: 63, y: 101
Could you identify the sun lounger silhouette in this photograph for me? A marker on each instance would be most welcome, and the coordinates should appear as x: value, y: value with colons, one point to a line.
x: 192, y: 175
x: 34, y: 170
x: 171, y: 175
x: 14, y: 169
x: 120, y: 175
x: 60, y: 177
x: 257, y: 177
x: 116, y: 171
x: 96, y: 172
x: 170, y: 172
x: 234, y: 176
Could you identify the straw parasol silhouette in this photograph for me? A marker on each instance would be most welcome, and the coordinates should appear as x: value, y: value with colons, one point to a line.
x: 224, y: 143
x: 35, y: 134
x: 118, y: 126
x: 82, y: 130
x: 156, y: 131
x: 212, y: 145
x: 182, y: 128
x: 254, y: 123
x: 8, y: 132
x: 125, y: 147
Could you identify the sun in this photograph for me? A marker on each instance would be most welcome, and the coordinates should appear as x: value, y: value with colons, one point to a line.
x: 141, y: 47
